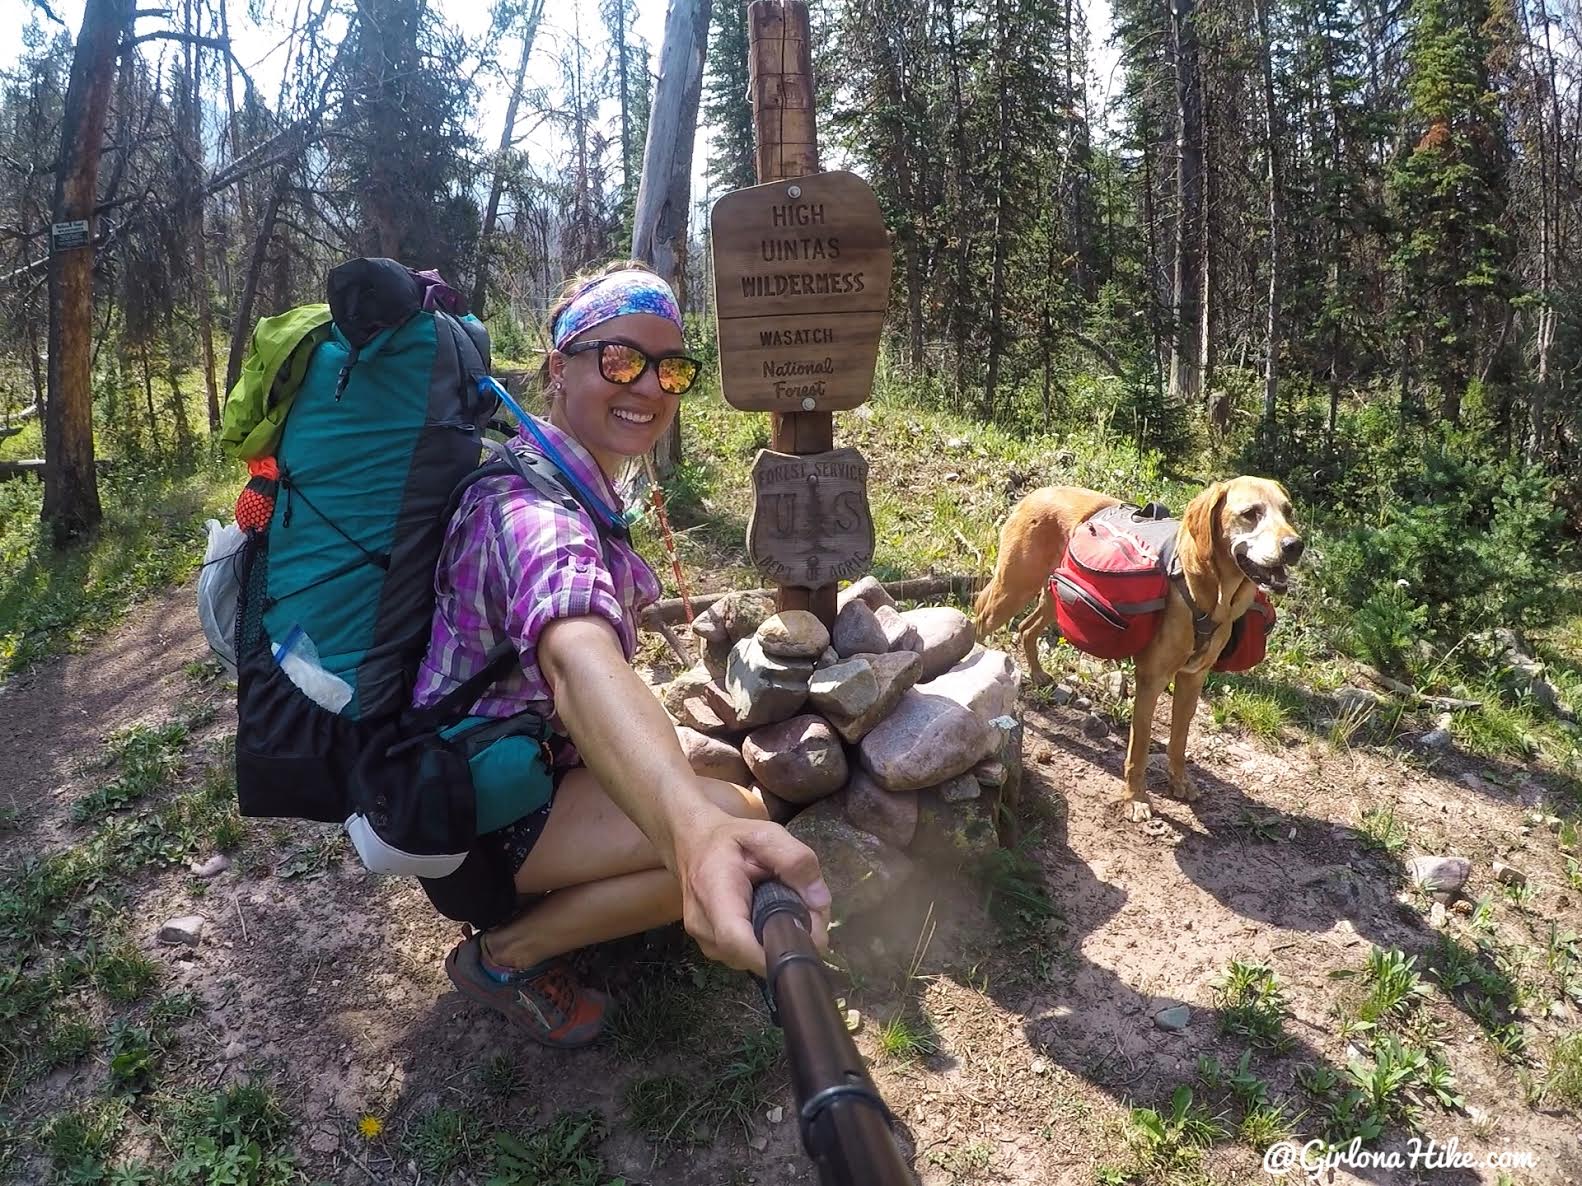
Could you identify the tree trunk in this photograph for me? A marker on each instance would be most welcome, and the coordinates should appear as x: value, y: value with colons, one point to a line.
x: 71, y: 489
x: 491, y: 212
x: 1271, y: 356
x: 242, y: 326
x: 1186, y: 378
x: 664, y: 192
x: 1002, y: 152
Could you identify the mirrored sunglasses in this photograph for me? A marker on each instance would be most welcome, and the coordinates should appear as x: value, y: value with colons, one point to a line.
x: 624, y: 364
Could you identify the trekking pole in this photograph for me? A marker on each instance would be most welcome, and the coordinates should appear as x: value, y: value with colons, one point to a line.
x: 845, y: 1124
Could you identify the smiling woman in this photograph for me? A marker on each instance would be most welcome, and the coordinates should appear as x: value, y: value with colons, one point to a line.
x: 592, y: 825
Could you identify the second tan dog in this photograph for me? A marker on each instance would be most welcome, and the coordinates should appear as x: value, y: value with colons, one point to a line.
x: 1235, y: 537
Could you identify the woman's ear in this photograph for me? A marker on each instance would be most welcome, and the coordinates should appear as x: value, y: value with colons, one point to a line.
x: 1201, y: 519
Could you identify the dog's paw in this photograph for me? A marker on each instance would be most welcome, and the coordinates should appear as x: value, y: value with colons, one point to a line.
x: 1184, y: 789
x: 1140, y: 811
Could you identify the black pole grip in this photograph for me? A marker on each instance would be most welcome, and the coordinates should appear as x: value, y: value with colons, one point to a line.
x: 775, y: 897
x: 845, y: 1124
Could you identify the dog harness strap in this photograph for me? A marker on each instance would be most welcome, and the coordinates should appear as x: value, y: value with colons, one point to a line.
x: 1203, y: 625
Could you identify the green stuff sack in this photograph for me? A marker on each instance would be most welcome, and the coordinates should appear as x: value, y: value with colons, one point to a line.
x: 276, y: 362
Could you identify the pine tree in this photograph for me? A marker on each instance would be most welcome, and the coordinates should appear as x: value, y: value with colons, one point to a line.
x: 727, y: 108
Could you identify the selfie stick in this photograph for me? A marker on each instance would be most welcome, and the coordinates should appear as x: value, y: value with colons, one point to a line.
x: 845, y: 1124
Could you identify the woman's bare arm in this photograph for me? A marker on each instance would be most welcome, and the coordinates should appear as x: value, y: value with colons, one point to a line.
x: 630, y: 745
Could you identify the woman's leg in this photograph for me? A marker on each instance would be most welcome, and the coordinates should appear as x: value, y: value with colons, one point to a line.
x: 602, y: 877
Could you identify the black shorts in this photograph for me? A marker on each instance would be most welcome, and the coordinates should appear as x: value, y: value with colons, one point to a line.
x: 482, y: 891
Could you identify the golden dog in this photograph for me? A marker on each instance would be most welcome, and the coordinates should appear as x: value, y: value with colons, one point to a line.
x: 1235, y: 538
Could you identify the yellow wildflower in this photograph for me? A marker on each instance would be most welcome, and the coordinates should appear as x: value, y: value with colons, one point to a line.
x: 370, y: 1127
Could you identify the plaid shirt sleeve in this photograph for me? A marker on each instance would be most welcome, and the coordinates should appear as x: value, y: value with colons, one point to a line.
x: 548, y: 564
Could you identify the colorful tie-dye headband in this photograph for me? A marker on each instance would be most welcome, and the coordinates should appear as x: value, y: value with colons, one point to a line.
x: 612, y: 296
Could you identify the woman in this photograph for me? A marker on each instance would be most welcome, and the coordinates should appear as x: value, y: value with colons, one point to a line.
x: 621, y: 835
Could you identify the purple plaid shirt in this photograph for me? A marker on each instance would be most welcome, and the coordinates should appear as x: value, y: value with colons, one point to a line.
x: 513, y: 562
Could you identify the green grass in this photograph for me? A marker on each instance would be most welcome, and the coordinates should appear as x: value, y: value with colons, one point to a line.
x: 124, y: 974
x: 1562, y: 1083
x: 146, y: 758
x: 905, y: 1039
x: 564, y: 1152
x: 152, y: 538
x: 79, y: 1142
x: 1498, y: 730
x: 1175, y: 1139
x: 443, y: 1140
x: 1261, y: 712
x: 1252, y: 1004
x: 1382, y: 831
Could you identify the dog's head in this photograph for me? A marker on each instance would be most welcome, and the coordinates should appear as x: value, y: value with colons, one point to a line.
x: 1247, y: 521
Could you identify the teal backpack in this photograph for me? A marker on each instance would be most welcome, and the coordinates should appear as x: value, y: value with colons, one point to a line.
x: 343, y: 525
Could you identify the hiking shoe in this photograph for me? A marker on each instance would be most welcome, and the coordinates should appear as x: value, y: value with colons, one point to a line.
x: 546, y: 1000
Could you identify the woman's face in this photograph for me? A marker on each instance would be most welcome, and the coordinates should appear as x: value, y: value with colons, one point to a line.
x: 614, y: 421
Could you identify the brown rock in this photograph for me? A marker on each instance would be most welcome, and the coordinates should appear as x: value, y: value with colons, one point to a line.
x: 889, y: 815
x: 900, y: 634
x: 925, y: 741
x: 712, y: 758
x: 895, y: 672
x: 857, y: 631
x: 861, y: 870
x: 800, y: 759
x: 946, y: 635
x: 867, y: 590
x: 793, y: 634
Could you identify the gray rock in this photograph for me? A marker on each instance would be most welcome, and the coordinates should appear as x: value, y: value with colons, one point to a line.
x: 990, y: 773
x: 1174, y: 1019
x: 847, y: 689
x: 861, y: 870
x: 762, y: 688
x: 889, y: 815
x: 857, y: 631
x: 679, y: 690
x: 946, y: 634
x: 828, y: 659
x: 1358, y: 702
x: 212, y: 867
x: 1116, y: 685
x: 1060, y: 694
x: 986, y: 682
x: 186, y: 931
x: 1095, y: 726
x: 715, y: 657
x: 801, y: 759
x: 710, y: 757
x: 895, y: 673
x: 923, y: 742
x: 1440, y: 736
x: 1440, y: 874
x: 959, y: 789
x: 1082, y: 703
x: 781, y: 811
x: 793, y: 634
x: 867, y: 590
x: 733, y: 617
x: 899, y: 634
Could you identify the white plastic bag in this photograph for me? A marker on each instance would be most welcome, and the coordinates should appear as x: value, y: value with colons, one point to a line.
x: 299, y: 659
x: 218, y: 588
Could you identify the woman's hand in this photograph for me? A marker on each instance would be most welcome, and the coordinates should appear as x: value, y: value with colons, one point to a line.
x: 719, y: 860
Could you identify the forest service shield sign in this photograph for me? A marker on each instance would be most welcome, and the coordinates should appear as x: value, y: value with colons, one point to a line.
x: 810, y: 524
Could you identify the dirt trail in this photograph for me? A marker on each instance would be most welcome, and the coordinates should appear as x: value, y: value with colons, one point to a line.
x: 328, y: 981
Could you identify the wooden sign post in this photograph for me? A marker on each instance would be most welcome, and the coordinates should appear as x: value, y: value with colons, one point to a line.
x: 802, y: 280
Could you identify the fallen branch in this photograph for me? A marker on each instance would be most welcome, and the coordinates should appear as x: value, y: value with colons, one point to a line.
x: 1443, y: 703
x: 961, y: 585
x: 34, y: 467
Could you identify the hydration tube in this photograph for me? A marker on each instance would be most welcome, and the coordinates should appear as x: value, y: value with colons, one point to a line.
x: 613, y: 519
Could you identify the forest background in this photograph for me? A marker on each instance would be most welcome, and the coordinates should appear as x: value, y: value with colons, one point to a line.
x: 1335, y: 241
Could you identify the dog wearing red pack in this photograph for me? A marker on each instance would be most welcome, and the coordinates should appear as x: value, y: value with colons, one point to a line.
x: 1121, y: 584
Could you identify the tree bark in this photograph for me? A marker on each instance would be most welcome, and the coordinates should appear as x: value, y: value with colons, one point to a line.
x: 71, y: 489
x: 242, y: 326
x: 1186, y: 377
x: 1271, y: 356
x: 664, y: 193
x: 491, y: 212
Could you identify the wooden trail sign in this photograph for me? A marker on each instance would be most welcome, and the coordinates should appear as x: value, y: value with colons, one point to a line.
x: 801, y: 281
x: 810, y: 524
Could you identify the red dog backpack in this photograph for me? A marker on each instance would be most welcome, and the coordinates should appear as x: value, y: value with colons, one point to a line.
x: 1249, y: 636
x: 1113, y: 582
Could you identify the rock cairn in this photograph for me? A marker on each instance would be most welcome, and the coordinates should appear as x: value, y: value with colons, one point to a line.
x: 887, y: 744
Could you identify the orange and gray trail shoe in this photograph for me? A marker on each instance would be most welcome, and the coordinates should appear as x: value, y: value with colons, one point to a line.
x: 545, y: 1000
